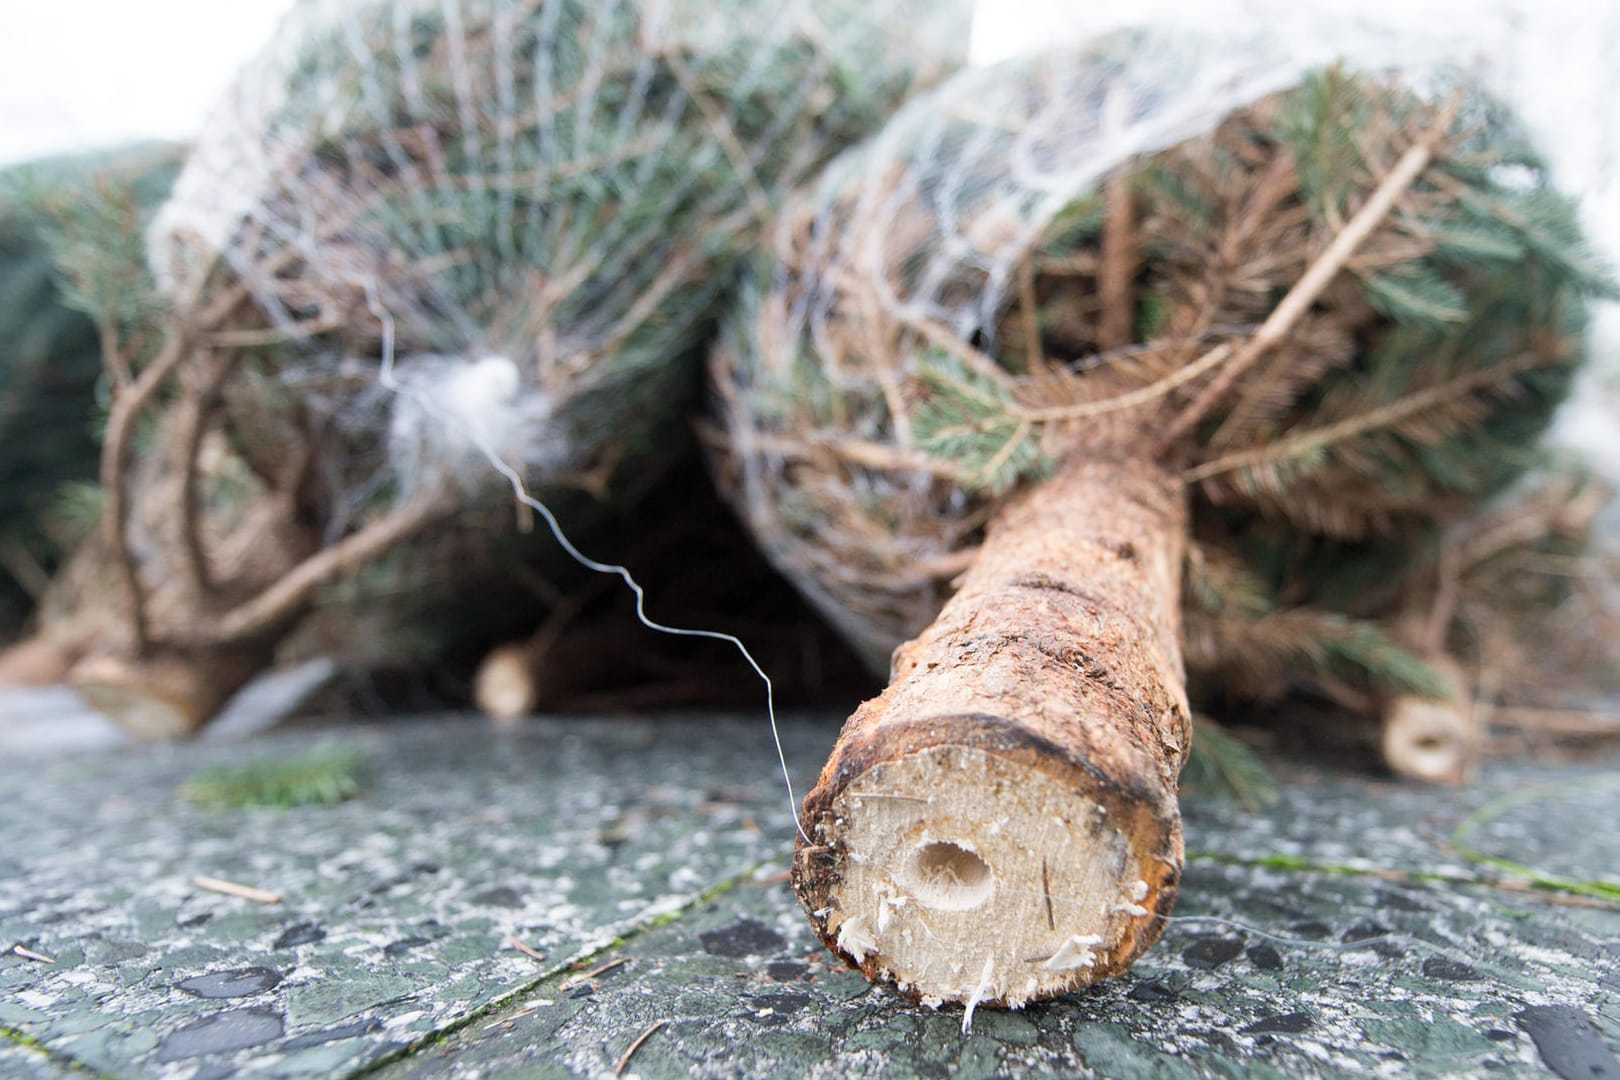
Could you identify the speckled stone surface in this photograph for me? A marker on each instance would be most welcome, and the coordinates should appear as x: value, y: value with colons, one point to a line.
x: 29, y: 1063
x: 1372, y: 941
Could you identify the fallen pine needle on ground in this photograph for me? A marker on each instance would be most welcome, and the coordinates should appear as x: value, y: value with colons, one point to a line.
x: 526, y: 950
x: 624, y: 1058
x: 580, y: 980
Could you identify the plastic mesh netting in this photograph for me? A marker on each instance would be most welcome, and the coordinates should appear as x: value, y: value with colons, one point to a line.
x: 418, y: 236
x: 543, y: 197
x: 932, y: 328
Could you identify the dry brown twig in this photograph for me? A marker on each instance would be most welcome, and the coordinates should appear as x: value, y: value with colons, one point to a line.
x: 527, y: 950
x: 594, y: 973
x: 640, y: 1041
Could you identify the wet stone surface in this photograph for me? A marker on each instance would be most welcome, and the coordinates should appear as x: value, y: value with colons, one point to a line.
x: 1343, y: 929
x: 396, y: 907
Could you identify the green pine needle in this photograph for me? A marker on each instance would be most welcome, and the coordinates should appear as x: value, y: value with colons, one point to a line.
x: 1366, y: 648
x: 1417, y: 295
x: 1461, y: 839
x: 966, y: 421
x: 1222, y: 765
x: 323, y: 777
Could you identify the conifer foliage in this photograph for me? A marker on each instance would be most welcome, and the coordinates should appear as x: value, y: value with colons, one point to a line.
x: 50, y: 349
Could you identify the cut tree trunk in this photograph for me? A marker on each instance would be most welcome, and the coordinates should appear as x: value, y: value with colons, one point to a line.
x: 1001, y: 824
x: 521, y: 678
x: 506, y: 688
x: 1437, y: 740
x: 168, y: 695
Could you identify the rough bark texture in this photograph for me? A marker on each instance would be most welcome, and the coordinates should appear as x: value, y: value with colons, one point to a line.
x: 1001, y: 824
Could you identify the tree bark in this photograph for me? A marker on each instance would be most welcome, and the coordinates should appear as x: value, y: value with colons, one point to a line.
x: 1001, y: 824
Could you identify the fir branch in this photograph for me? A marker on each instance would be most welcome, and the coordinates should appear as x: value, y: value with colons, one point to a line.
x: 1115, y: 281
x: 1306, y: 449
x: 1318, y: 276
x: 1222, y: 765
x: 259, y: 615
x: 196, y: 411
x: 1234, y: 627
x: 1542, y: 220
x: 1415, y: 294
x: 1367, y: 649
x: 1146, y: 395
x: 127, y: 410
x: 968, y: 420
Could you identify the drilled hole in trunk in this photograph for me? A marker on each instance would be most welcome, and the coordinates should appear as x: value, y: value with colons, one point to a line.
x: 949, y: 877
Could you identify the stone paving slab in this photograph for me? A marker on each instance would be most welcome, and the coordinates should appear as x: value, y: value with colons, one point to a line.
x: 662, y: 842
x: 26, y: 1063
x: 1418, y: 980
x: 1564, y: 821
x: 397, y: 906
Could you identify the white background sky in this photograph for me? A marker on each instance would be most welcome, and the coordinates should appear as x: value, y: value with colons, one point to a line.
x: 76, y: 74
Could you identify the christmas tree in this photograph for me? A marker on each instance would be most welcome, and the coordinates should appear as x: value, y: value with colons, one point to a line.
x: 417, y: 237
x: 1075, y: 344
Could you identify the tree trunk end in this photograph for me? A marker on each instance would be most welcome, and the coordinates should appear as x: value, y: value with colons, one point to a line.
x: 506, y: 688
x: 169, y: 696
x: 1001, y: 825
x: 1437, y: 741
x: 41, y: 660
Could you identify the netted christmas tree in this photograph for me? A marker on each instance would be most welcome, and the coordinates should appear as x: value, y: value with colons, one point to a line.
x: 1087, y: 363
x: 50, y: 362
x: 417, y: 236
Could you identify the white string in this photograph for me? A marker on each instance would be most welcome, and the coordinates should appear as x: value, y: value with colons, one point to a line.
x: 520, y: 490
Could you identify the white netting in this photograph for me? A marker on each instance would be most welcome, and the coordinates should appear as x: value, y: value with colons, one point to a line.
x: 911, y: 260
x: 1552, y: 62
x: 559, y: 184
x: 418, y: 235
x: 1550, y: 66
